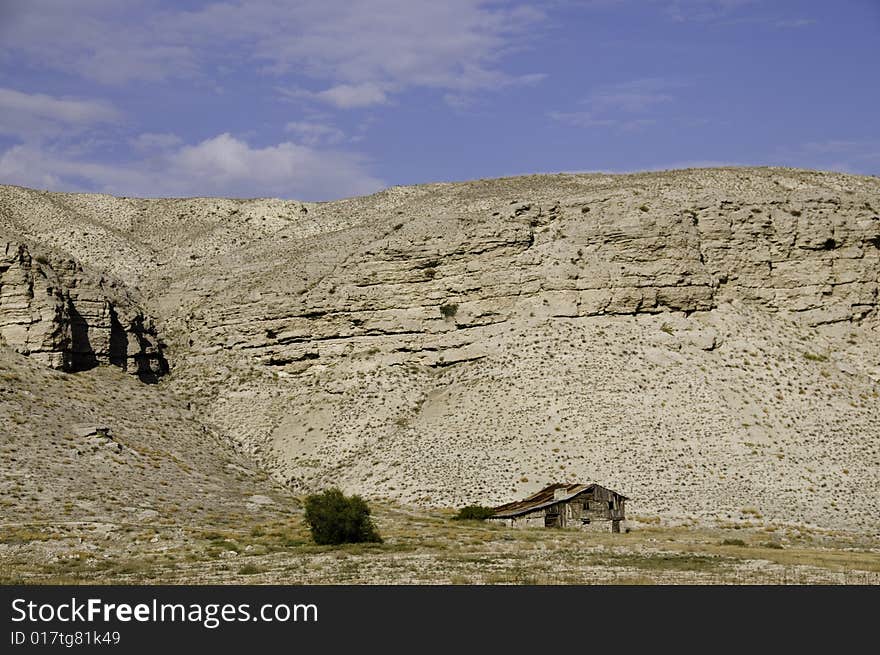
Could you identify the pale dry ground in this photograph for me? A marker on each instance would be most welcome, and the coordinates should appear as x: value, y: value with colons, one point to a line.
x: 773, y: 425
x: 312, y: 337
x: 161, y: 467
x: 423, y: 547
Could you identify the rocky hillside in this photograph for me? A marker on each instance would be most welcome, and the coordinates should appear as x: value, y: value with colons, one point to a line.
x: 104, y: 454
x: 705, y: 341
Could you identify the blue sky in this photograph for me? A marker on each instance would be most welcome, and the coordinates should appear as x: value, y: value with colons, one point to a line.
x: 321, y: 99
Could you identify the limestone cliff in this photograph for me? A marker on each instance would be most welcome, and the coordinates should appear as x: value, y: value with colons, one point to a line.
x: 453, y: 259
x: 64, y: 317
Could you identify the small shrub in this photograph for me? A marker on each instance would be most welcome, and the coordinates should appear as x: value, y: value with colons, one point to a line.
x: 667, y: 328
x: 249, y: 569
x: 813, y: 357
x: 334, y: 518
x: 474, y: 513
x: 772, y: 544
x: 733, y: 542
x: 449, y: 310
x: 644, y: 208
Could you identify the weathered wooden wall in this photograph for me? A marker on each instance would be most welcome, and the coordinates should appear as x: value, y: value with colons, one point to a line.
x: 597, y: 510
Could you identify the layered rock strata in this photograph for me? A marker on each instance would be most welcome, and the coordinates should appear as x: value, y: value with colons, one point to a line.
x: 69, y: 319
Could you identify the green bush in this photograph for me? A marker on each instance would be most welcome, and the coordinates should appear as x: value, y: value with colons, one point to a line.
x: 449, y: 310
x: 249, y: 569
x: 334, y: 518
x: 474, y: 512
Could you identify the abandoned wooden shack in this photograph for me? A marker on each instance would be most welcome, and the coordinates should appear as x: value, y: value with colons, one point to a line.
x: 586, y: 506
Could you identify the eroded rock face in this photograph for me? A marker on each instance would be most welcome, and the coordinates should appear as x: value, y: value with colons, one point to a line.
x: 428, y: 286
x: 64, y: 317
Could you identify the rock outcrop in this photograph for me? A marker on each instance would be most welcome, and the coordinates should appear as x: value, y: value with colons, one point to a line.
x: 428, y: 284
x: 69, y: 319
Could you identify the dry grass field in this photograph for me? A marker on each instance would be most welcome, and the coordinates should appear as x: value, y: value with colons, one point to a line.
x: 423, y: 547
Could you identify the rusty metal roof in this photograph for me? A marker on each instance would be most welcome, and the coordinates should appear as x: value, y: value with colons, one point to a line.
x: 545, y: 497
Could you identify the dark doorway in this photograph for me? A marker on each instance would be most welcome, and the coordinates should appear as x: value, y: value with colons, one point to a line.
x: 118, y: 342
x: 82, y: 356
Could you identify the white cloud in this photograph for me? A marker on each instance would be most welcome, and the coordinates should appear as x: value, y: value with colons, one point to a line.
x: 867, y: 148
x: 155, y: 141
x: 312, y: 133
x: 844, y: 155
x: 35, y: 166
x: 632, y: 97
x: 731, y: 12
x: 347, y: 96
x: 341, y: 96
x: 38, y: 115
x: 360, y: 50
x: 619, y: 105
x: 704, y: 10
x: 580, y: 119
x: 796, y: 23
x: 585, y: 119
x: 103, y: 40
x: 25, y: 166
x: 222, y: 166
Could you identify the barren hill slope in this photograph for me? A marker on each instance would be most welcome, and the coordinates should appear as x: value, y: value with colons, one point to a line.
x: 705, y: 341
x: 101, y: 447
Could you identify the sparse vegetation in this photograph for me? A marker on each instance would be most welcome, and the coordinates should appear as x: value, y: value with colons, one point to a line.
x: 249, y: 569
x: 474, y: 513
x: 448, y: 310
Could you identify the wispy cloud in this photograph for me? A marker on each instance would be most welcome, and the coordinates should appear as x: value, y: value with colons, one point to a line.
x: 732, y: 12
x: 586, y: 119
x: 621, y: 106
x: 704, y: 10
x: 155, y: 142
x: 102, y: 40
x: 38, y: 115
x: 312, y: 133
x: 845, y: 155
x: 344, y: 96
x: 795, y: 23
x: 222, y: 165
x: 361, y: 51
x: 633, y: 97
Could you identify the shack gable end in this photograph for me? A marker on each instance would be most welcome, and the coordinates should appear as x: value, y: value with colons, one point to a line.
x: 559, y: 505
